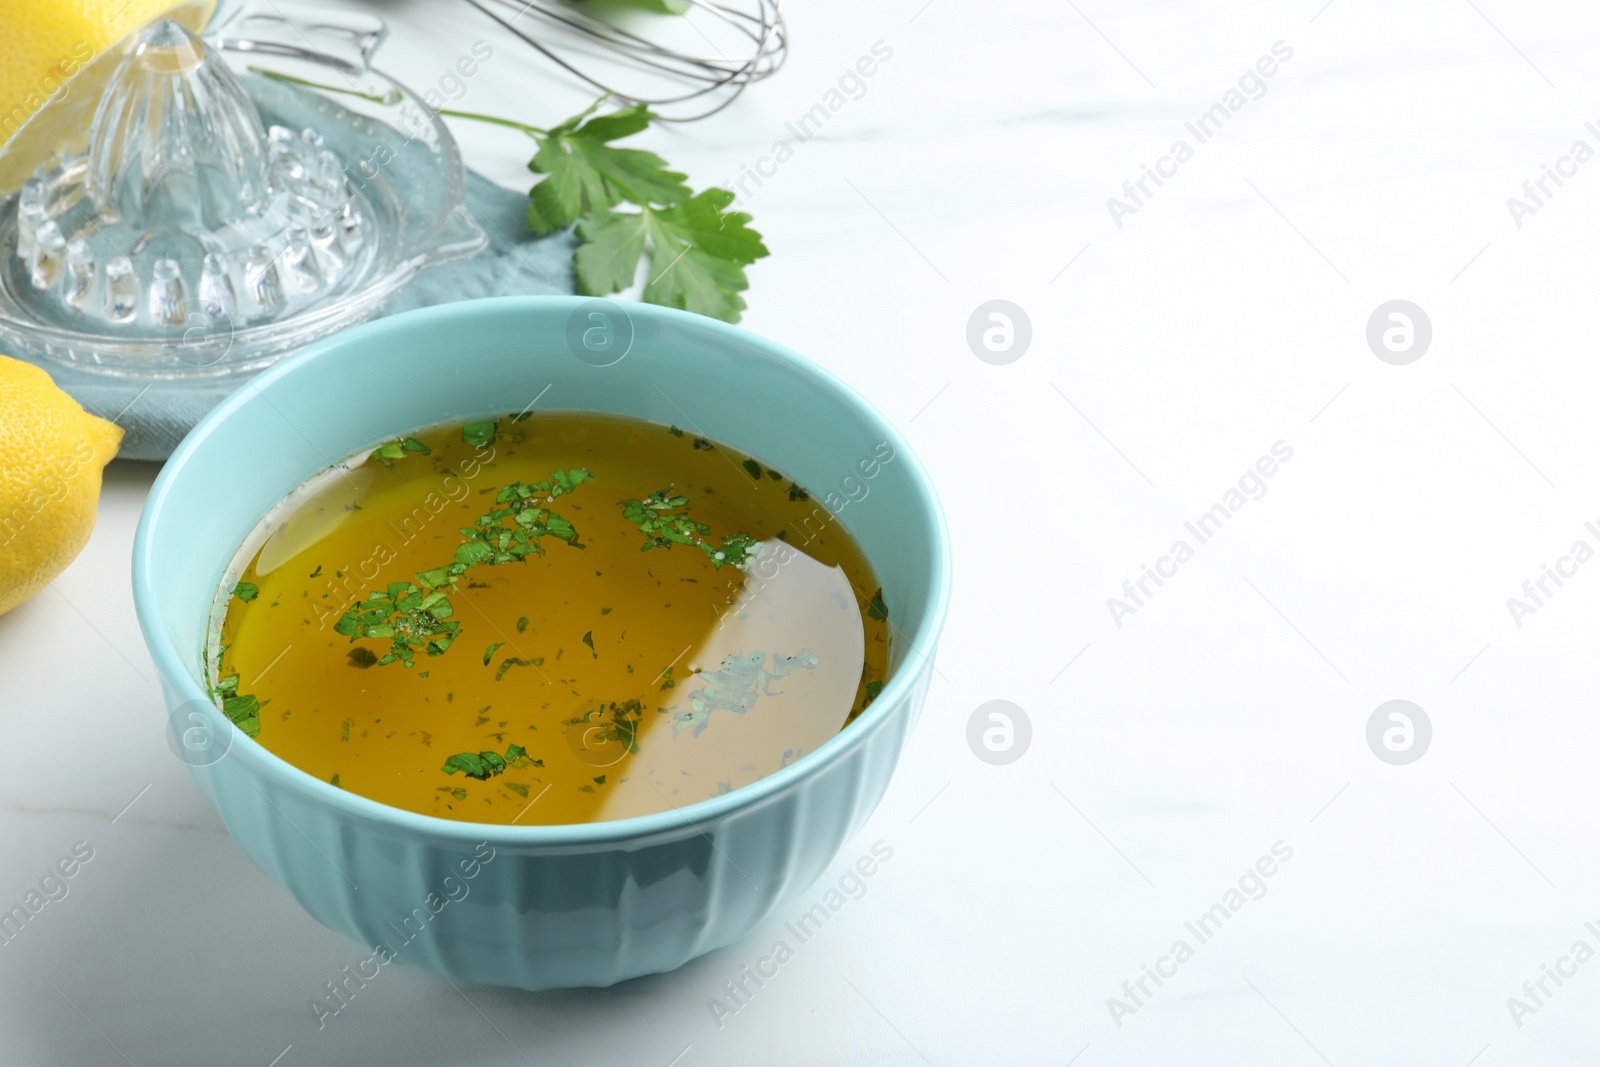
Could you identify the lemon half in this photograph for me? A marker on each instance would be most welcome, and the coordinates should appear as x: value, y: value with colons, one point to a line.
x: 45, y: 43
x: 51, y: 456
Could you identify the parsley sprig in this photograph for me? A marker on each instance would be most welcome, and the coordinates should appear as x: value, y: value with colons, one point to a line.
x: 695, y: 248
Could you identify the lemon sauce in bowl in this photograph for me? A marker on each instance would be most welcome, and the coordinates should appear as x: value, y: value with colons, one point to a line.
x: 554, y: 618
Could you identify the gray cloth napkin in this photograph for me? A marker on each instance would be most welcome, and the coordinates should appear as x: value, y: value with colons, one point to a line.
x: 156, y: 415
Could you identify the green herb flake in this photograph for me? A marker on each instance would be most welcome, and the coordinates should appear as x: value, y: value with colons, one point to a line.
x: 516, y: 661
x: 490, y: 540
x: 663, y: 519
x: 754, y: 468
x: 244, y: 712
x: 246, y: 591
x: 522, y: 624
x: 362, y: 656
x: 344, y: 730
x: 873, y: 689
x: 478, y: 434
x: 316, y: 573
x: 488, y: 653
x: 480, y: 765
x: 877, y: 610
x: 409, y: 617
x: 518, y: 788
x: 601, y: 780
x: 588, y: 639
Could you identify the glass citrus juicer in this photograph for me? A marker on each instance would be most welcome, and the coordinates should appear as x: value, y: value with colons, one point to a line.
x: 186, y: 207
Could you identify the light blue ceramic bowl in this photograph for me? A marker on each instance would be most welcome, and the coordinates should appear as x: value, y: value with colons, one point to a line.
x: 540, y: 906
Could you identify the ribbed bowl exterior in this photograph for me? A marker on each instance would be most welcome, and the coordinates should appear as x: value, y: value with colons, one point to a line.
x: 543, y: 917
x: 539, y: 907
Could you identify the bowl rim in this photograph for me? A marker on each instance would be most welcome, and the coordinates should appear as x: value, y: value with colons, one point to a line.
x: 923, y: 632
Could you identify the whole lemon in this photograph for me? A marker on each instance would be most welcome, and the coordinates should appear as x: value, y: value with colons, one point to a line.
x: 51, y: 456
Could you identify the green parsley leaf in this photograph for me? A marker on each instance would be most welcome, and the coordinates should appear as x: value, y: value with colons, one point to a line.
x: 585, y: 174
x: 244, y: 712
x: 608, y: 259
x: 588, y: 639
x: 467, y: 763
x: 362, y: 656
x: 516, y: 661
x: 481, y: 765
x: 664, y: 521
x: 435, y: 578
x: 478, y: 434
x: 489, y: 652
x: 622, y: 728
x: 877, y: 610
x: 873, y: 689
x: 517, y: 788
x: 697, y: 254
x: 246, y: 592
x: 522, y: 624
x: 407, y: 616
x: 754, y: 468
x: 490, y: 540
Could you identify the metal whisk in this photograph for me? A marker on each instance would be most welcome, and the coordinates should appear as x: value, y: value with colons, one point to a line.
x: 566, y: 33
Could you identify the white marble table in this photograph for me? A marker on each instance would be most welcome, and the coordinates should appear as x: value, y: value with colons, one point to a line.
x: 1226, y: 716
